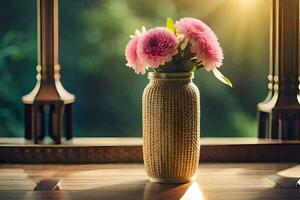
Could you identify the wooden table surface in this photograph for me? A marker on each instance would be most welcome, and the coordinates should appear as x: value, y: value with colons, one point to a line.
x: 129, y: 181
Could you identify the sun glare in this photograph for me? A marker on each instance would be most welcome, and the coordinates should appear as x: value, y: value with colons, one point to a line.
x: 247, y: 3
x: 193, y: 193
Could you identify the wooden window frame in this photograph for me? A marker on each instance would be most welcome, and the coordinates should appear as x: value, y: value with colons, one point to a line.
x: 129, y: 150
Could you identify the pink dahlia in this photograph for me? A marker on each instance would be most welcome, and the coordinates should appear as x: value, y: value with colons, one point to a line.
x: 133, y: 60
x: 157, y: 46
x: 204, y: 42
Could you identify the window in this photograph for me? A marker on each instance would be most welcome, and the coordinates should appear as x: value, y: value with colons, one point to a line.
x: 93, y: 34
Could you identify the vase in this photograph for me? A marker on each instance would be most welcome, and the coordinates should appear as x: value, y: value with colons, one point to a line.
x: 171, y: 127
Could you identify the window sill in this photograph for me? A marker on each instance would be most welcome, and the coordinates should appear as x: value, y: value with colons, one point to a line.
x: 129, y: 150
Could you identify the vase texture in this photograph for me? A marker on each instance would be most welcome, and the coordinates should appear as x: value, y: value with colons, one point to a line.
x: 171, y: 127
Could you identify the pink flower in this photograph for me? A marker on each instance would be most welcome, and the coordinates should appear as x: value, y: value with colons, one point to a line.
x: 133, y: 60
x: 204, y: 42
x: 157, y: 46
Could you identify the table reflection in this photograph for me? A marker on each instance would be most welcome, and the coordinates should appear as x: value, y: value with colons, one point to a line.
x: 61, y: 182
x: 188, y: 191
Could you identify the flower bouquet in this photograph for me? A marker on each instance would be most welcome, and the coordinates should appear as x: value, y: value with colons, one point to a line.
x: 171, y: 101
x: 186, y: 46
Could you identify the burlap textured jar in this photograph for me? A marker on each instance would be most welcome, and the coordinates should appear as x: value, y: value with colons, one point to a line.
x: 171, y: 127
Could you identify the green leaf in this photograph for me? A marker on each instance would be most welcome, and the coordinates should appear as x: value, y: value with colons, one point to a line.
x: 221, y: 77
x: 184, y: 45
x: 170, y: 25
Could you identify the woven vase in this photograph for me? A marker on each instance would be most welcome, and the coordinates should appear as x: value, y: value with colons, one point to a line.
x: 171, y: 127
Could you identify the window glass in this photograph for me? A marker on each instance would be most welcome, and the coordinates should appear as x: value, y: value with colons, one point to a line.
x: 93, y: 35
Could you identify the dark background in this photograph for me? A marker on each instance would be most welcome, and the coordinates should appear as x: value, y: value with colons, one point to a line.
x: 93, y: 35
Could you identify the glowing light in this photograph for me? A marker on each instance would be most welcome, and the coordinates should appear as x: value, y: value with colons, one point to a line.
x: 193, y: 193
x: 247, y: 3
x: 76, y: 179
x: 293, y: 172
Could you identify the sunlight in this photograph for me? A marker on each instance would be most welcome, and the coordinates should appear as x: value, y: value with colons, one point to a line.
x: 245, y: 19
x: 193, y: 193
x: 292, y: 172
x: 100, y: 178
x: 247, y: 3
x: 247, y: 9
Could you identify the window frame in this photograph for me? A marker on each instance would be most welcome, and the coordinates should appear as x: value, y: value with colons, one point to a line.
x: 129, y: 150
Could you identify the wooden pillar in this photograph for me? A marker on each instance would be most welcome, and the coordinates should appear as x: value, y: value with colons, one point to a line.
x: 48, y: 94
x: 264, y: 107
x: 279, y: 115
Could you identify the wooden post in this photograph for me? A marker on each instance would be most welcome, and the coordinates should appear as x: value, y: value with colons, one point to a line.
x: 279, y: 116
x: 48, y: 93
x: 263, y: 107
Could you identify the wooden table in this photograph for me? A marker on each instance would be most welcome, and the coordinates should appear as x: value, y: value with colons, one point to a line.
x: 129, y: 181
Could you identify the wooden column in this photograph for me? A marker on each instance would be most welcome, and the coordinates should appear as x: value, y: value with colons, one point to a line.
x: 48, y: 96
x: 263, y: 107
x: 279, y: 114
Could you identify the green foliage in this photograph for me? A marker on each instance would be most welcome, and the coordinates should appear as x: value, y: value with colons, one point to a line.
x: 12, y: 49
